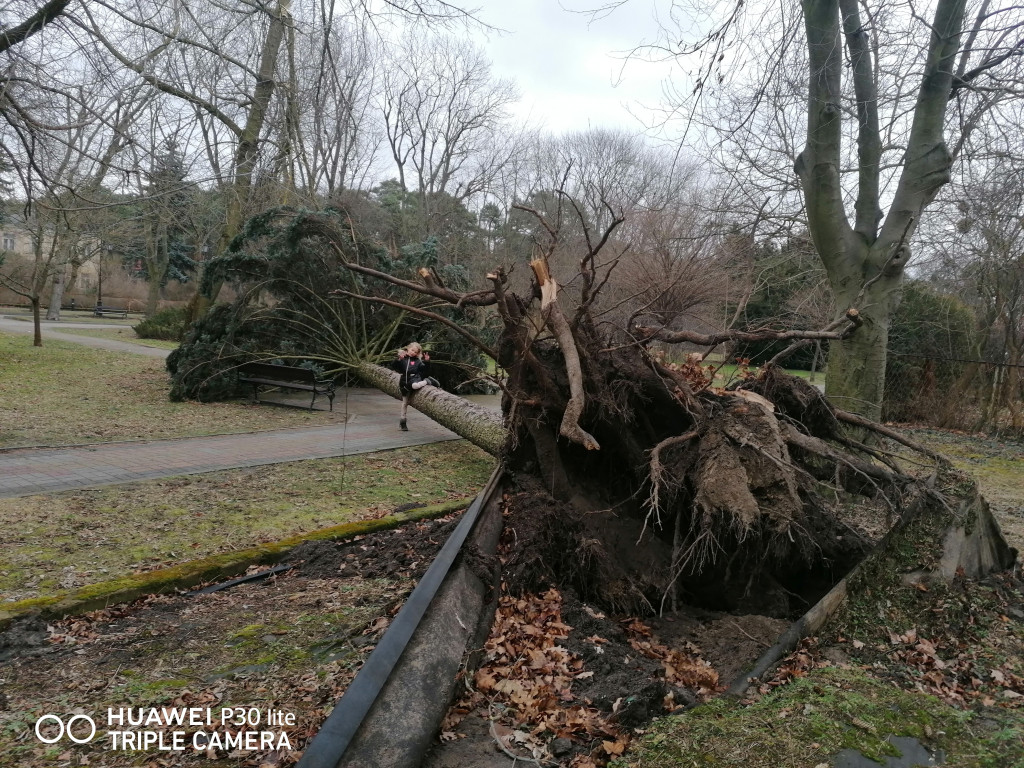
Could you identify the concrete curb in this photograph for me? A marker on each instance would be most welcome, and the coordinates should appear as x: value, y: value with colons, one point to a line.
x: 389, y: 715
x: 216, y: 567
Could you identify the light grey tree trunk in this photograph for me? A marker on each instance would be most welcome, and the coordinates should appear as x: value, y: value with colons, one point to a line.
x: 156, y: 265
x: 865, y: 258
x: 56, y: 295
x: 480, y: 426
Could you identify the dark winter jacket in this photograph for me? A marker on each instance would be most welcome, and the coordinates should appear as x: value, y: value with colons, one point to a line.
x: 412, y: 370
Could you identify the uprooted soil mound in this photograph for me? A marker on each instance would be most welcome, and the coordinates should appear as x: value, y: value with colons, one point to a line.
x: 624, y: 562
x: 729, y: 499
x: 601, y: 557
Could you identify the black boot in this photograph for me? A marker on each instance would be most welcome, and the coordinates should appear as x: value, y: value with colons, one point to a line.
x: 403, y: 426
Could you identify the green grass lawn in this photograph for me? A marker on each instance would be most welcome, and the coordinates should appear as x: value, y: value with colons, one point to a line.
x: 806, y: 723
x: 64, y: 393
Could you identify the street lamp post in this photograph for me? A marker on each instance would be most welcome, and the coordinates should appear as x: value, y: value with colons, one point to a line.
x: 99, y: 276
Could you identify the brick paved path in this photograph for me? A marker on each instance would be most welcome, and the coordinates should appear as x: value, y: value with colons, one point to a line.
x: 372, y: 425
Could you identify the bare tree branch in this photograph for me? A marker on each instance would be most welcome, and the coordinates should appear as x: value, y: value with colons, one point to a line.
x: 48, y: 13
x: 646, y: 334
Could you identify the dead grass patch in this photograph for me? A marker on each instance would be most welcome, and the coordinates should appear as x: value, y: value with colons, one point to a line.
x: 64, y: 393
x: 54, y: 542
x: 127, y: 335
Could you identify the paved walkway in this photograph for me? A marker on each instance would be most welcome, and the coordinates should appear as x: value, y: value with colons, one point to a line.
x: 51, y: 331
x: 372, y: 425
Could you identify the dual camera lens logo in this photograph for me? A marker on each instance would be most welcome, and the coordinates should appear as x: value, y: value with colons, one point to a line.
x: 73, y: 732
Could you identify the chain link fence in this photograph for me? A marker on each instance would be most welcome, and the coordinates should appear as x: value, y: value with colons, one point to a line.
x: 955, y: 393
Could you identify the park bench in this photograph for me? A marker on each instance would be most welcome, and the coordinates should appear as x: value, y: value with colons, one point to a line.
x: 286, y: 377
x: 99, y: 311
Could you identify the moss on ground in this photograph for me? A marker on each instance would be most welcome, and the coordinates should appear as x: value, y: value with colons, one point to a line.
x: 806, y: 723
x: 292, y: 644
x: 54, y: 543
x: 188, y: 574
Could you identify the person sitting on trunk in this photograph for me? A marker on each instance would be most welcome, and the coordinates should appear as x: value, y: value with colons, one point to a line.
x: 412, y: 365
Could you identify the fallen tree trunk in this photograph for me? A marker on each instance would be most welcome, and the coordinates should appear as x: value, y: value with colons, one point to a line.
x: 480, y: 426
x: 637, y: 481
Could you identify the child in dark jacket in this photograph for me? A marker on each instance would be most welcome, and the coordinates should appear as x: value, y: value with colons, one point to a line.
x: 412, y: 365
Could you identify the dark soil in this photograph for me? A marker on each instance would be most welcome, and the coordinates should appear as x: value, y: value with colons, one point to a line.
x: 730, y: 643
x: 596, y: 564
x: 622, y: 676
x: 601, y: 557
x: 404, y: 552
x: 24, y: 637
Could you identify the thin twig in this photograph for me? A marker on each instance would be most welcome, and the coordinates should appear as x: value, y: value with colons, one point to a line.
x: 741, y: 629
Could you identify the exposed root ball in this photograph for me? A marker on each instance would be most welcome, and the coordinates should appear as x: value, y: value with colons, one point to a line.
x: 549, y: 542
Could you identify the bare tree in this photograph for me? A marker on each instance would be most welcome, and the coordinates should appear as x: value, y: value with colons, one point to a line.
x: 677, y: 272
x: 67, y: 137
x: 446, y: 119
x: 151, y: 47
x: 335, y: 129
x: 33, y: 21
x: 891, y: 100
x: 29, y: 278
x: 978, y: 255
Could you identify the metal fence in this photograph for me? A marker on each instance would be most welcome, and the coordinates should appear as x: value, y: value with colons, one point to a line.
x: 955, y: 393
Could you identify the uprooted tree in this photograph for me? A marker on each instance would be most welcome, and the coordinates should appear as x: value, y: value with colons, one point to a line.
x: 638, y: 482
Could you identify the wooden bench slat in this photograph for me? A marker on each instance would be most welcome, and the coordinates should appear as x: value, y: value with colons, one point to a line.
x: 279, y: 383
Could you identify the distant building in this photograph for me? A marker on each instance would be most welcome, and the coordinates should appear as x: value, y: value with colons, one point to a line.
x: 18, y: 246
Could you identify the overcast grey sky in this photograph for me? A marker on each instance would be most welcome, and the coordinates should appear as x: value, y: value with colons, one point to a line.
x: 570, y: 68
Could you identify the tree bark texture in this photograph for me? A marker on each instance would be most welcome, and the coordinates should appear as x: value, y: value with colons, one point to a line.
x: 865, y: 261
x: 480, y: 426
x: 56, y: 295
